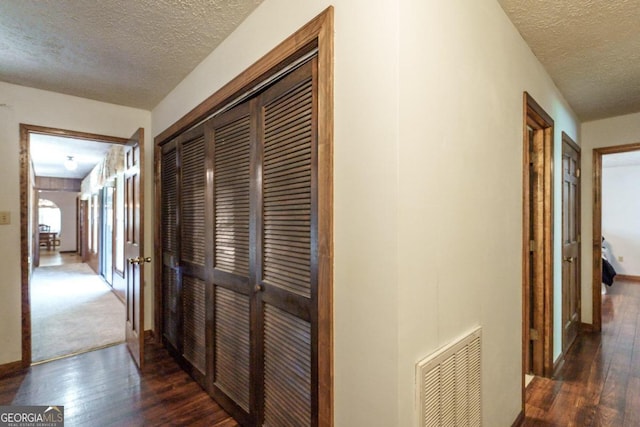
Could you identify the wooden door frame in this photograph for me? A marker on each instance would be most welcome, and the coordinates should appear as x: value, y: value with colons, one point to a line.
x: 596, y: 270
x: 535, y: 117
x: 315, y: 35
x: 578, y: 213
x: 25, y: 161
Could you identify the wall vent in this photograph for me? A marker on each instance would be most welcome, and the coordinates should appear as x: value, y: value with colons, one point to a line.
x: 448, y: 384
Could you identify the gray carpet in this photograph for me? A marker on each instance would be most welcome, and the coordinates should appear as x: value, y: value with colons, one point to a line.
x: 72, y: 310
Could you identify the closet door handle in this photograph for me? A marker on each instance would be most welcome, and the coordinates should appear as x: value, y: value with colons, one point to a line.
x: 258, y: 288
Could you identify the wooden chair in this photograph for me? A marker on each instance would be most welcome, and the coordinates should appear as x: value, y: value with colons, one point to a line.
x: 46, y: 236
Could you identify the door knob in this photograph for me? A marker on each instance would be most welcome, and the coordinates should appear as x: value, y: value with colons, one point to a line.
x: 568, y: 258
x: 139, y: 260
x: 258, y: 288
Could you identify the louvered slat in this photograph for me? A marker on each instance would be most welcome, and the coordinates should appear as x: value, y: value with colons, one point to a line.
x: 193, y: 309
x: 170, y: 305
x: 193, y: 189
x: 232, y: 347
x: 169, y: 201
x: 287, y: 191
x: 287, y: 369
x: 232, y: 186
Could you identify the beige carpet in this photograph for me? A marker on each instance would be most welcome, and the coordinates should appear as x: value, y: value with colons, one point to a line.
x: 72, y: 310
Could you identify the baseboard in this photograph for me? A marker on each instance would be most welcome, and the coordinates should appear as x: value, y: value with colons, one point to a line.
x: 519, y: 419
x: 148, y: 335
x: 68, y: 252
x: 586, y: 327
x: 627, y: 278
x: 10, y: 368
x: 558, y: 364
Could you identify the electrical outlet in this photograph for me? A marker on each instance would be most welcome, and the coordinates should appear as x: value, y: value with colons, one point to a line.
x: 5, y: 218
x: 620, y: 258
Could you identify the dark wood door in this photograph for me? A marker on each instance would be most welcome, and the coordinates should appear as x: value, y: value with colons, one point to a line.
x: 133, y: 248
x: 570, y: 242
x: 285, y: 277
x: 240, y: 253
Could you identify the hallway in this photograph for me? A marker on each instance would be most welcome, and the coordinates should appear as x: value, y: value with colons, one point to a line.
x: 73, y: 310
x: 105, y: 388
x: 599, y: 384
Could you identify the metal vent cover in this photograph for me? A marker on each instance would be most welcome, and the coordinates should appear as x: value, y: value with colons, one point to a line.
x: 448, y: 384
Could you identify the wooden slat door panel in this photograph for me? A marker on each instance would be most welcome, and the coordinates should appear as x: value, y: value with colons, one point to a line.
x: 287, y: 252
x: 229, y: 138
x: 169, y: 213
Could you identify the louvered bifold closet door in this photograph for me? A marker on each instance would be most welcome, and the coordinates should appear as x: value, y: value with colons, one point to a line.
x: 170, y: 276
x: 229, y: 137
x: 192, y: 250
x: 287, y: 251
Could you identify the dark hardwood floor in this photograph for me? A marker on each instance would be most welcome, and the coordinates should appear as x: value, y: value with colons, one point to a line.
x: 599, y: 384
x: 105, y: 388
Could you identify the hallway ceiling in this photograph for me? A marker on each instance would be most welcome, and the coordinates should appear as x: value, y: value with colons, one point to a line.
x: 591, y: 49
x: 134, y: 52
x: 48, y: 154
x: 119, y: 51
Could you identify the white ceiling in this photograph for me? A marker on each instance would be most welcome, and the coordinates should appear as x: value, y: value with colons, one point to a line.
x: 591, y: 49
x: 48, y: 154
x: 127, y: 52
x: 630, y: 158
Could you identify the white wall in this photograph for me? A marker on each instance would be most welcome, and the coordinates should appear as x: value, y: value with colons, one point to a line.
x: 610, y: 132
x: 36, y: 107
x: 66, y: 201
x: 464, y: 68
x: 621, y: 217
x: 428, y: 187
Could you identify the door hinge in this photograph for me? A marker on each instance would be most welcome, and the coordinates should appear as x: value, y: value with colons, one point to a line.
x: 532, y: 245
x: 577, y: 173
x: 533, y: 334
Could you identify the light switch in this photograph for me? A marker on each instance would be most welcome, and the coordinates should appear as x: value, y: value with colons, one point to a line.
x: 5, y: 218
x: 620, y: 258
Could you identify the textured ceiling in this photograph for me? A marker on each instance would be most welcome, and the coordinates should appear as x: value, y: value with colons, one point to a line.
x: 127, y: 52
x: 591, y: 49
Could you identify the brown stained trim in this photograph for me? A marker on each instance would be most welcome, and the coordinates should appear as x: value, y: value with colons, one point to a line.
x: 317, y: 33
x: 519, y: 420
x: 628, y: 278
x: 535, y: 117
x: 325, y: 220
x: 558, y: 364
x: 10, y: 368
x: 25, y: 131
x: 596, y: 277
x: 586, y: 328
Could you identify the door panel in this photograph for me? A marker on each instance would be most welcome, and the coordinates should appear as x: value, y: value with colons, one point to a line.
x: 287, y: 250
x: 170, y: 272
x: 133, y: 248
x: 230, y: 136
x: 570, y: 242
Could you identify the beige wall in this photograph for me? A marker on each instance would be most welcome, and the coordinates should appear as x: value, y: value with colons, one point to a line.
x: 36, y: 107
x: 428, y: 159
x: 619, y: 130
x: 66, y: 201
